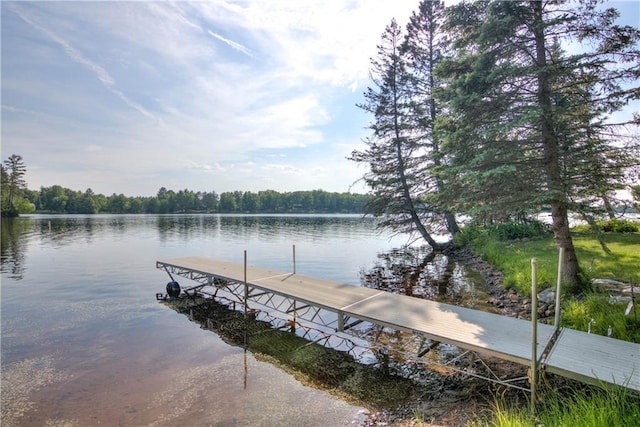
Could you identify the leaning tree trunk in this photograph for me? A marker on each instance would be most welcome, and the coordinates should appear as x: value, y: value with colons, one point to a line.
x: 559, y: 213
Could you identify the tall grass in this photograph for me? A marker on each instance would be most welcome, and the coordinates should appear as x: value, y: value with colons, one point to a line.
x: 603, y: 314
x: 589, y: 407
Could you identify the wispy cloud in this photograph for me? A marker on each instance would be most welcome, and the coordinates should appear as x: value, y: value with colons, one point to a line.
x: 229, y: 85
x: 103, y: 76
x: 231, y: 43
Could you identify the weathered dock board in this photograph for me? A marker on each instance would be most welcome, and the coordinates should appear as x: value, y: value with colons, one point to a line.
x: 577, y: 355
x: 593, y: 358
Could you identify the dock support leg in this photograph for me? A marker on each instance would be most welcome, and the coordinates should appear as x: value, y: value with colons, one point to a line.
x: 340, y: 322
x: 294, y: 259
x: 556, y: 322
x: 246, y: 287
x: 534, y: 332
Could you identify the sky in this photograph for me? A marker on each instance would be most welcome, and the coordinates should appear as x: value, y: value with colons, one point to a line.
x: 222, y: 95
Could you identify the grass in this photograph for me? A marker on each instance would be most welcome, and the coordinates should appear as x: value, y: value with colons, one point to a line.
x: 584, y: 407
x: 513, y: 258
x: 621, y: 263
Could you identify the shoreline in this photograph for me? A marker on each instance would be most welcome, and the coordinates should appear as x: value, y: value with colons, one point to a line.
x: 463, y: 402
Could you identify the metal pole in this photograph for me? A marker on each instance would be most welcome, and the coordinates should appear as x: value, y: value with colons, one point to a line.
x: 556, y: 322
x: 246, y: 287
x: 294, y: 259
x: 534, y: 332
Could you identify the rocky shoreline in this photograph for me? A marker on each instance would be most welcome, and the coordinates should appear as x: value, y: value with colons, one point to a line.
x: 457, y: 407
x: 506, y: 300
x: 454, y: 409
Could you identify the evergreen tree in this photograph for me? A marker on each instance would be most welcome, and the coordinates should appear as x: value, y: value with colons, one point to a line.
x: 13, y: 184
x: 393, y: 152
x: 526, y: 126
x: 424, y: 47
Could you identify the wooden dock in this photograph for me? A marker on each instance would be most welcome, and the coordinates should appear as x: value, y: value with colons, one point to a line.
x: 573, y: 354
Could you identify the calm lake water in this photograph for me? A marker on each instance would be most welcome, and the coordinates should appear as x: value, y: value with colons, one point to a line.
x: 85, y: 343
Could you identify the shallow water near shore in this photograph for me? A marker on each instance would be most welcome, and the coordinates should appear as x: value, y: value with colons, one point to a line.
x: 84, y: 341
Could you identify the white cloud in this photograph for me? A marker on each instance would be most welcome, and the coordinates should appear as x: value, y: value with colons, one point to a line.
x: 185, y: 92
x: 103, y: 75
x: 234, y: 45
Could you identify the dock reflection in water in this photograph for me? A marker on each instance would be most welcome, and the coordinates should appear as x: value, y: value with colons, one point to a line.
x: 85, y: 343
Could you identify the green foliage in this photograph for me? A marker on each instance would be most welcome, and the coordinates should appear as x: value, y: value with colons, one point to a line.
x: 477, y: 233
x: 619, y: 226
x: 517, y: 230
x: 513, y: 258
x: 611, y: 226
x: 597, y: 309
x: 63, y: 200
x: 591, y: 407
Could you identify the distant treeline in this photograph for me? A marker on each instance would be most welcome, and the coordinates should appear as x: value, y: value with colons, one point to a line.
x: 57, y: 199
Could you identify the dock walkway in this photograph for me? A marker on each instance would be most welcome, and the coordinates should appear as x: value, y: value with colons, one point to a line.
x: 574, y: 354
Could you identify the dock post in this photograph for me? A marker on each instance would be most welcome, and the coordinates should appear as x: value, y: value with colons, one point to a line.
x: 294, y: 259
x: 534, y: 332
x: 556, y: 322
x: 246, y: 287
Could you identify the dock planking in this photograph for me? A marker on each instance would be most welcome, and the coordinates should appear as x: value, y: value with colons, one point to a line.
x: 574, y: 354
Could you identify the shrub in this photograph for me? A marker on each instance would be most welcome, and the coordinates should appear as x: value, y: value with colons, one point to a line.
x: 476, y: 233
x: 517, y: 230
x: 618, y: 226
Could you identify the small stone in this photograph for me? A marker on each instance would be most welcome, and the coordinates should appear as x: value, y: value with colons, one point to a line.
x: 547, y: 296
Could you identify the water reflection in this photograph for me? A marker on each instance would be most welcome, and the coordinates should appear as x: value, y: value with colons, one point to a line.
x: 14, y: 246
x: 419, y: 272
x: 265, y: 226
x: 78, y: 307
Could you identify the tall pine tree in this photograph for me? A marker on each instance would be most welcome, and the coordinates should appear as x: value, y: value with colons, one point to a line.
x: 424, y: 47
x: 13, y: 184
x: 527, y: 123
x: 402, y: 151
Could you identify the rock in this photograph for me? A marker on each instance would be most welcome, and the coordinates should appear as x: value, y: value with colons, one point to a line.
x: 607, y: 283
x: 547, y: 296
x: 613, y: 299
x: 542, y: 308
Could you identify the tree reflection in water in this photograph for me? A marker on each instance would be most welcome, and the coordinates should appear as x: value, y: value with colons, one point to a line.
x: 422, y: 273
x: 13, y: 247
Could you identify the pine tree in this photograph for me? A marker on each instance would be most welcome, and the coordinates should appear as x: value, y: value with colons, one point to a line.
x: 393, y: 152
x: 424, y: 47
x: 13, y: 173
x: 527, y: 124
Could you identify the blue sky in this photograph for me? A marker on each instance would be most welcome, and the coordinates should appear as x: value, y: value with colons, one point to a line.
x: 126, y: 97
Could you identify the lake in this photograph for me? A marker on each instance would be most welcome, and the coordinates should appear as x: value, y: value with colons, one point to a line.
x: 84, y: 341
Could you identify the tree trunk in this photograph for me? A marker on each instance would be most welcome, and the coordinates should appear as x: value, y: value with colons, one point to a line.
x: 559, y: 213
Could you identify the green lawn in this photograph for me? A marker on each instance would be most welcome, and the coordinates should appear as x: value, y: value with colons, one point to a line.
x: 622, y: 263
x: 513, y: 258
